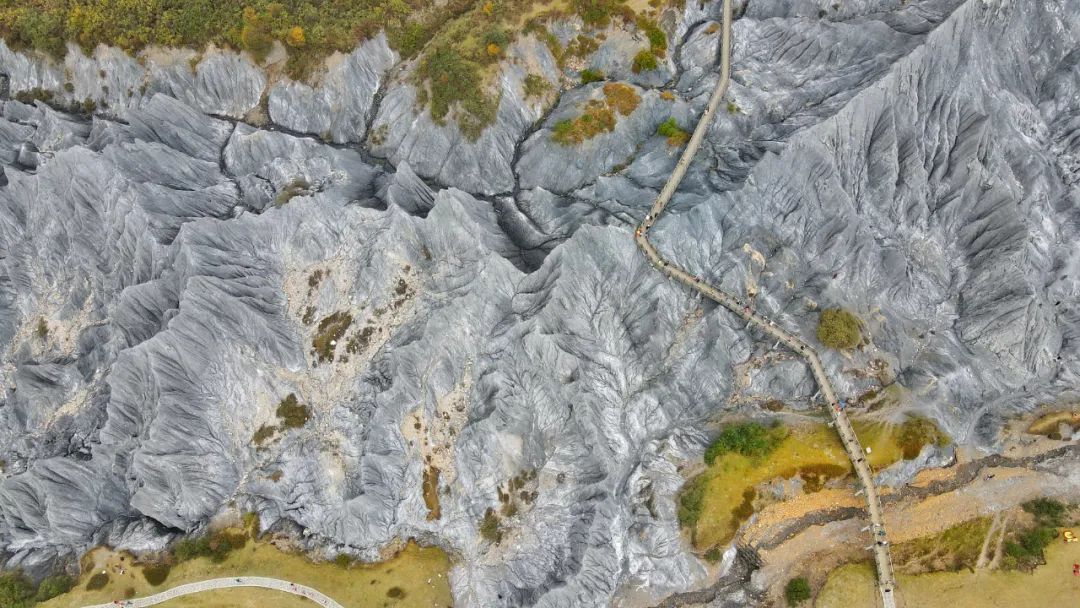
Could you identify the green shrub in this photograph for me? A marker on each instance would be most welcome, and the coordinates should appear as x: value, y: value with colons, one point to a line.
x: 331, y: 330
x: 751, y: 439
x: 98, y: 581
x: 395, y: 593
x: 292, y: 413
x: 263, y: 434
x: 490, y: 530
x: 216, y: 546
x: 155, y: 574
x: 252, y: 523
x: 52, y: 586
x: 535, y: 86
x: 16, y: 590
x: 797, y: 591
x: 675, y: 136
x: 656, y: 36
x: 1025, y: 548
x: 191, y: 548
x: 455, y: 82
x: 597, y: 118
x: 691, y: 502
x: 1047, y: 511
x: 256, y: 35
x: 644, y: 61
x: 582, y: 46
x: 714, y: 554
x: 596, y: 13
x: 589, y: 75
x: 839, y: 329
x: 29, y: 96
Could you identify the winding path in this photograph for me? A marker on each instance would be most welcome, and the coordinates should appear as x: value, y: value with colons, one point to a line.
x: 225, y: 583
x: 882, y: 559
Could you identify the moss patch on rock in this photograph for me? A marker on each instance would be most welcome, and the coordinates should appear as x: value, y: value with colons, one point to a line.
x: 839, y: 329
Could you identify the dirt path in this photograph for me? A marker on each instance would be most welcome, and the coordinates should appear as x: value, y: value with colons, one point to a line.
x: 995, y: 523
x: 995, y: 562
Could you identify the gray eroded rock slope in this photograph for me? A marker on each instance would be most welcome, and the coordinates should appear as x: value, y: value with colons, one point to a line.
x: 165, y: 266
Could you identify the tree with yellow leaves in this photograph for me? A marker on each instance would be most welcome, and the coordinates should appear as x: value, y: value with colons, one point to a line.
x: 295, y: 37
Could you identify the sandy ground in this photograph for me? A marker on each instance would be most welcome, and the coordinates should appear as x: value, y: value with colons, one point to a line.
x: 1049, y: 586
x: 814, y: 550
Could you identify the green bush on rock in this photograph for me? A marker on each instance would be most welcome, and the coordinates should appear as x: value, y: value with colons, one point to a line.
x: 839, y: 329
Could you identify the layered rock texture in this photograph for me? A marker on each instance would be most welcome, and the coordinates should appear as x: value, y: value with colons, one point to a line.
x: 209, y: 242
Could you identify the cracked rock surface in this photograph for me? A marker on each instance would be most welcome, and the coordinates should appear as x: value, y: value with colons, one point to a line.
x: 212, y: 241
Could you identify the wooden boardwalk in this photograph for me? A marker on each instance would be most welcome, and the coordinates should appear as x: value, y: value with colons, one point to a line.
x: 882, y: 559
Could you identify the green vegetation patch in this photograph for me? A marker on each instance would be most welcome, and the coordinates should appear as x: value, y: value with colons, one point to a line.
x: 589, y: 75
x: 691, y: 501
x: 656, y: 36
x: 263, y: 434
x: 457, y: 40
x: 839, y: 329
x: 644, y: 61
x: 16, y: 590
x: 745, y: 455
x: 97, y: 581
x: 670, y: 129
x: 451, y: 80
x: 29, y: 96
x: 797, y: 591
x: 647, y: 60
x: 490, y: 528
x: 309, y: 29
x: 330, y: 331
x: 954, y: 549
x: 536, y: 86
x: 396, y: 593
x: 52, y: 586
x: 751, y: 439
x: 292, y: 413
x: 582, y: 46
x: 714, y: 554
x: 1024, y: 548
x: 598, y: 13
x: 156, y: 573
x: 216, y: 546
x: 596, y: 119
x: 598, y: 116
